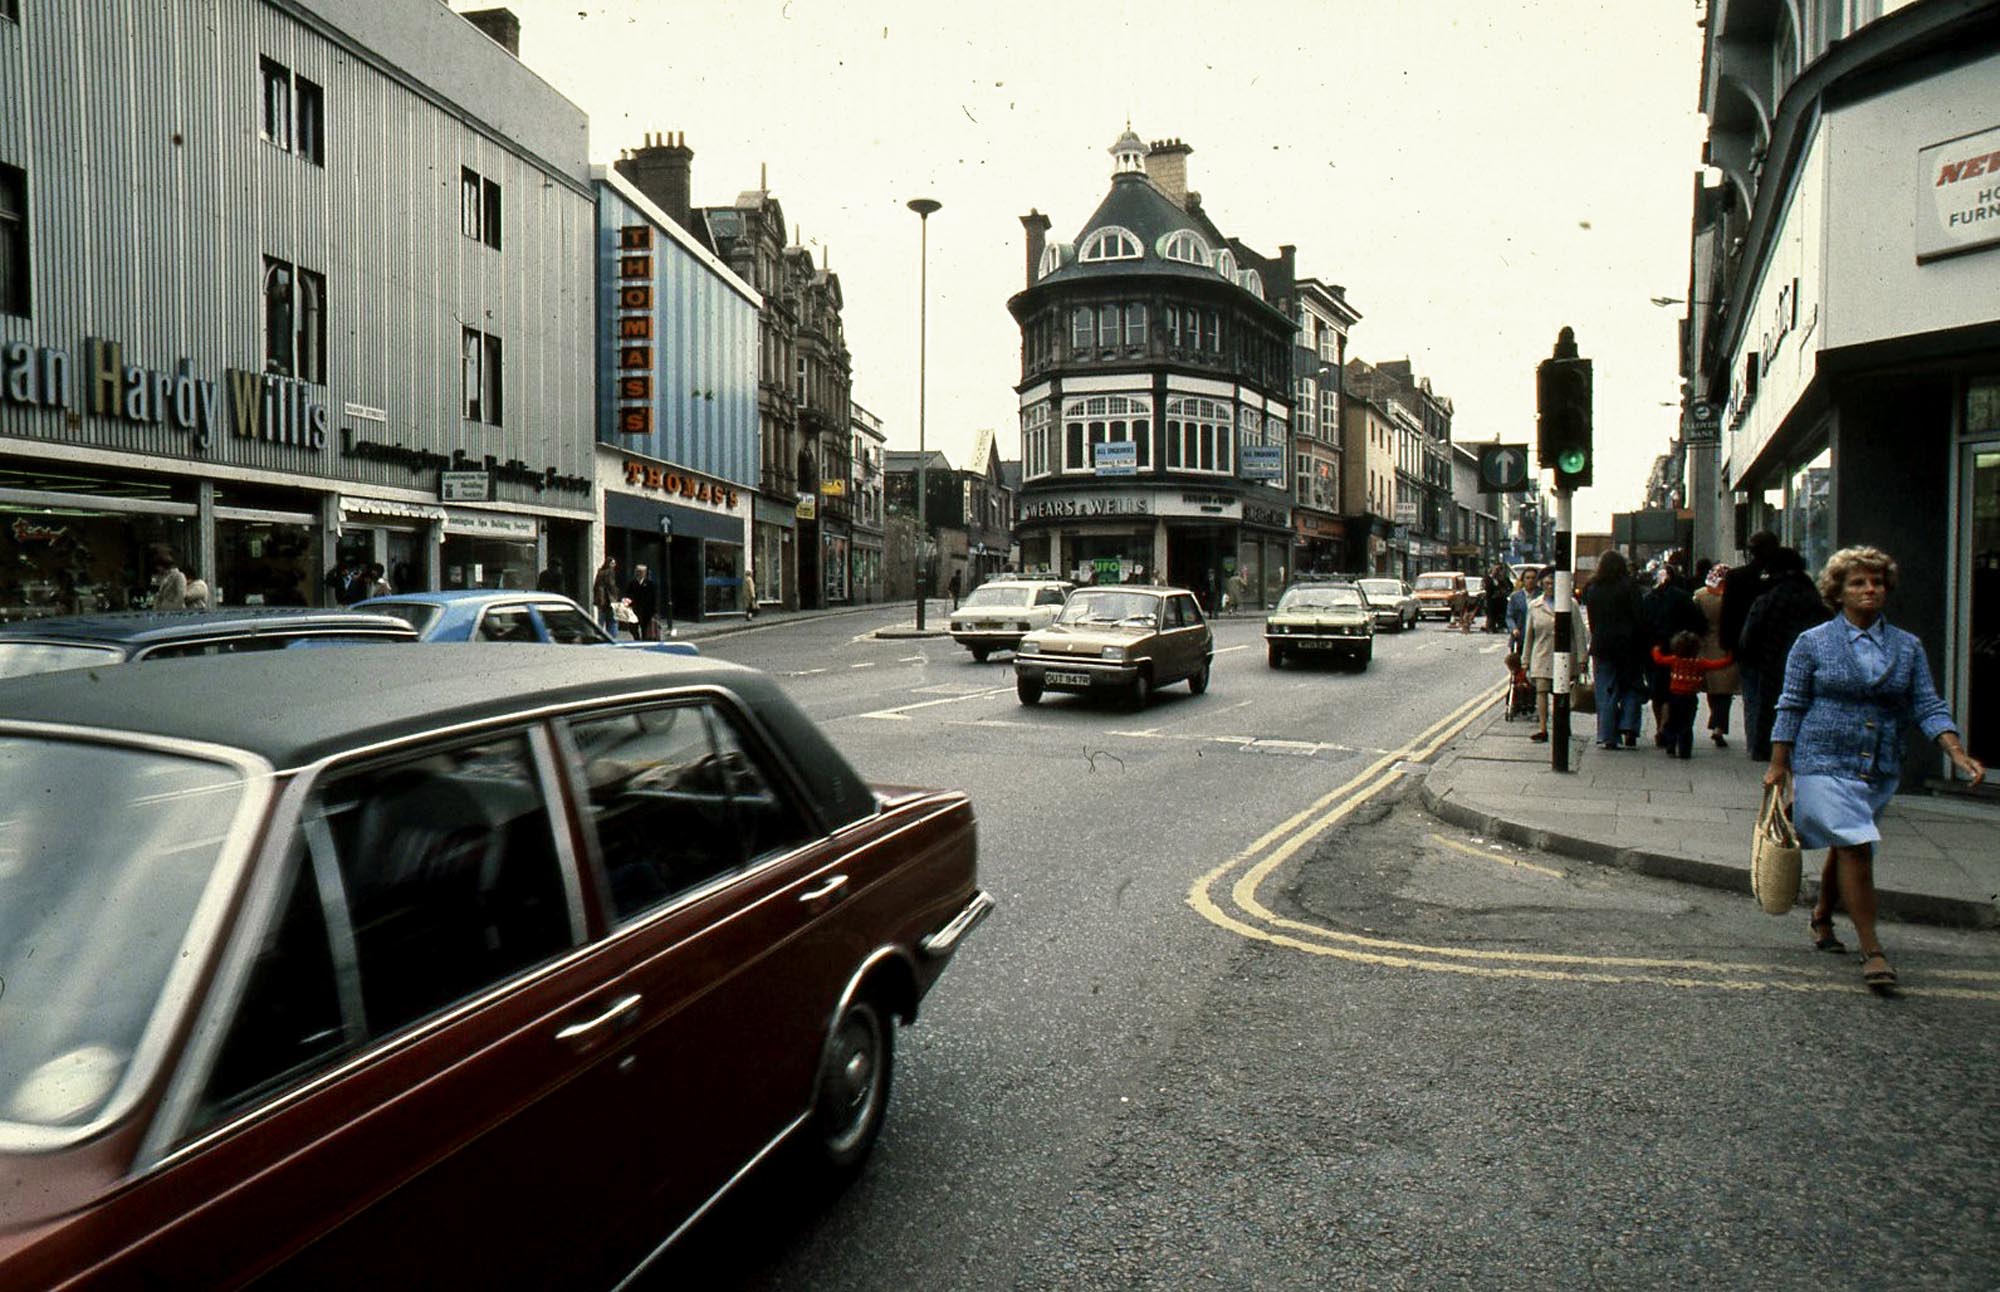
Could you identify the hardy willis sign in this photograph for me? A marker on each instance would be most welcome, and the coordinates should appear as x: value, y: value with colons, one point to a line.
x: 261, y: 406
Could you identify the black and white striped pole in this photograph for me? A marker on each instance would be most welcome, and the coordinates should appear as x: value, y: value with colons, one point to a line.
x: 1565, y: 670
x: 1562, y: 432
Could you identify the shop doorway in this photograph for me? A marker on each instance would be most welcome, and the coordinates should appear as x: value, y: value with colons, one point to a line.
x: 1201, y: 560
x: 1979, y: 632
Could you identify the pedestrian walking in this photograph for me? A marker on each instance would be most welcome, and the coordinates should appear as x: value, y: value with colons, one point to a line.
x: 1538, y: 650
x: 346, y: 582
x: 1740, y: 591
x: 197, y: 597
x: 1517, y: 607
x: 1789, y: 607
x: 1686, y: 676
x: 604, y: 595
x: 1723, y: 682
x: 953, y: 587
x: 1618, y: 646
x: 749, y: 594
x: 643, y: 595
x: 1668, y: 610
x: 378, y: 581
x: 169, y: 584
x: 1499, y: 586
x: 1853, y: 686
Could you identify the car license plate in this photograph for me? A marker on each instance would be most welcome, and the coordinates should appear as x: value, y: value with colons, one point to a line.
x: 1064, y: 677
x: 1315, y: 645
x: 987, y: 624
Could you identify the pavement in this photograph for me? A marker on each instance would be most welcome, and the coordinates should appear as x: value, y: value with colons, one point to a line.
x: 936, y: 612
x: 1691, y: 820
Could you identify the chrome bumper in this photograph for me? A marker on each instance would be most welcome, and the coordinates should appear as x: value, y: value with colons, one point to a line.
x: 941, y: 943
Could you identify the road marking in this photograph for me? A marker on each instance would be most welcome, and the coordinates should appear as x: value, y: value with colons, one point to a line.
x: 1252, y: 919
x: 1226, y: 649
x: 900, y: 710
x: 914, y: 659
x: 805, y: 672
x: 1496, y: 646
x: 863, y: 664
x: 1501, y: 857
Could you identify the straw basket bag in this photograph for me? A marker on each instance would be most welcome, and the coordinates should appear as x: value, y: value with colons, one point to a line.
x: 1774, y: 856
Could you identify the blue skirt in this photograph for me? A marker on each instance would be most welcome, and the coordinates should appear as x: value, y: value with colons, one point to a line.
x: 1838, y: 812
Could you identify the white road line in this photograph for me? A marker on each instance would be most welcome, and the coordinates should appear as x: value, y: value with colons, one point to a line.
x: 1226, y: 649
x: 902, y: 709
x: 805, y: 672
x: 914, y: 659
x: 863, y: 664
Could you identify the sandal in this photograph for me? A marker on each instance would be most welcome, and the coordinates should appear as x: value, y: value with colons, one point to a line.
x: 1881, y: 977
x: 1823, y: 936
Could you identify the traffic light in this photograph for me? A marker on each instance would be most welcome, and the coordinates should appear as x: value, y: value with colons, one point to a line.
x: 1562, y: 414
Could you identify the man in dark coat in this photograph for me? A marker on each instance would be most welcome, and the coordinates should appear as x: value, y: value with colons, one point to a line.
x: 644, y: 594
x: 1776, y: 619
x: 1740, y: 591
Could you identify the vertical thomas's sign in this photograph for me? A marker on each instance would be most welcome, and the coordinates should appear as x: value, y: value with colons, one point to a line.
x: 635, y: 330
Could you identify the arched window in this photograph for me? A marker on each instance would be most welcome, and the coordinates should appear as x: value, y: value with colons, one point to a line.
x: 1185, y: 246
x: 1051, y: 260
x: 1225, y: 264
x: 1105, y: 419
x: 312, y: 327
x: 1110, y: 243
x: 277, y: 317
x: 1253, y: 282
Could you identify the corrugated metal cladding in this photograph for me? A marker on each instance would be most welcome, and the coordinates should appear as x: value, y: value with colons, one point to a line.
x: 153, y: 203
x: 704, y: 355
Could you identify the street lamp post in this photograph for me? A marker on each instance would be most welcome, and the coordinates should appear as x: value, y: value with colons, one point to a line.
x: 923, y: 206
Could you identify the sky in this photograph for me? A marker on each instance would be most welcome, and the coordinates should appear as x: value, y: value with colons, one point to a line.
x: 1478, y: 175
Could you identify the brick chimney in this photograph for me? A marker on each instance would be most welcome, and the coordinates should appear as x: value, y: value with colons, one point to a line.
x: 1166, y: 166
x: 1037, y: 226
x: 662, y: 170
x: 500, y: 25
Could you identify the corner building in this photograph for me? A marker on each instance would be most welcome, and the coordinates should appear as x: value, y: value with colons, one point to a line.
x: 299, y: 281
x: 1155, y: 392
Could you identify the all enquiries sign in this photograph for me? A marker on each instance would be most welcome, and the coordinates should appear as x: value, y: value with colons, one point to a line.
x: 1958, y: 195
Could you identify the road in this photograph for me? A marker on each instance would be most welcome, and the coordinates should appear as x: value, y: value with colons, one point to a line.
x: 1248, y: 1018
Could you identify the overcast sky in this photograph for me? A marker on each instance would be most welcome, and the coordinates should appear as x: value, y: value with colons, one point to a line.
x: 1476, y: 173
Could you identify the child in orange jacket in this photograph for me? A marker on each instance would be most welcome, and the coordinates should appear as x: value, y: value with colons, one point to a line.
x: 1688, y: 674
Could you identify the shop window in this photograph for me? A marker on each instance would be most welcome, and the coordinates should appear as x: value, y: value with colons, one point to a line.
x: 276, y: 123
x: 14, y: 294
x: 482, y: 377
x: 311, y: 121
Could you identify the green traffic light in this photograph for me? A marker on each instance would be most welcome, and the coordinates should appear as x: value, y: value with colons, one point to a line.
x: 1572, y: 461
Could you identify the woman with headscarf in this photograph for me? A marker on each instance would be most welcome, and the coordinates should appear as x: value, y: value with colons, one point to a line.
x: 1722, y: 683
x: 1854, y: 685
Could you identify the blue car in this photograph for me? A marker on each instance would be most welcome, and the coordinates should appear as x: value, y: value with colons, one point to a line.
x: 505, y: 615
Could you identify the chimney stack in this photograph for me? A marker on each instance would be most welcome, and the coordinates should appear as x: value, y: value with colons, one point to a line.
x: 1037, y: 226
x: 1166, y: 166
x: 662, y: 170
x: 500, y: 25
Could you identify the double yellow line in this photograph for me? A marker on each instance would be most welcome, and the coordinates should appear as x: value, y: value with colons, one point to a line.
x: 1240, y: 909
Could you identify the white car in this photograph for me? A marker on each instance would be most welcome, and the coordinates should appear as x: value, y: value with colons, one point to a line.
x: 998, y: 614
x: 1395, y: 606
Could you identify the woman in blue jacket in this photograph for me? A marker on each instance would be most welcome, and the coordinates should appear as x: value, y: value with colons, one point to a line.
x: 1853, y: 686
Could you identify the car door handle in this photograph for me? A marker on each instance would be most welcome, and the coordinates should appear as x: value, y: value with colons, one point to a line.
x: 619, y: 1010
x: 833, y: 884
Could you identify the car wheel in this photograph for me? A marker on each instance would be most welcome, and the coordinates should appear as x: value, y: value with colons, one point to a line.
x: 1362, y: 660
x: 1273, y: 656
x: 1027, y: 689
x: 852, y: 1095
x: 1142, y: 689
x: 1199, y: 682
x: 979, y: 653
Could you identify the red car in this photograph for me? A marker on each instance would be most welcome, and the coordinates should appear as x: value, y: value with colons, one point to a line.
x: 437, y: 966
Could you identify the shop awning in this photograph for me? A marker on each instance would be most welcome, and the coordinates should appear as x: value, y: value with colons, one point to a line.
x: 389, y: 509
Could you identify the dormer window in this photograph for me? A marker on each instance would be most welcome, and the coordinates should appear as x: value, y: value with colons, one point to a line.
x: 1253, y: 282
x: 1110, y: 244
x: 1225, y: 264
x: 1186, y: 247
x: 1051, y: 260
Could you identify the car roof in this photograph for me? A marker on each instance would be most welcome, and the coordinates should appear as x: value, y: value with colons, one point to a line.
x: 467, y: 596
x: 295, y: 707
x: 146, y: 627
x: 1022, y: 580
x: 1158, y: 588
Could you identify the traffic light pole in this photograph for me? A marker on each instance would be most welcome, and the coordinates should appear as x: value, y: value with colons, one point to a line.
x: 1565, y: 638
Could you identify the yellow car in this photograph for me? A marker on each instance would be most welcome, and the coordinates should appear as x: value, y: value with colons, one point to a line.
x: 1321, y: 621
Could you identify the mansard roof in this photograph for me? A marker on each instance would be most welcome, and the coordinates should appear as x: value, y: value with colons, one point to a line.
x: 1135, y: 205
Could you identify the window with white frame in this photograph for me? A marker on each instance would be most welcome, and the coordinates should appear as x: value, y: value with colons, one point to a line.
x: 1083, y: 328
x: 1173, y: 325
x: 1106, y: 419
x: 1135, y: 326
x: 1308, y: 399
x: 1107, y: 326
x: 1253, y: 282
x: 1110, y: 243
x: 1036, y: 435
x: 1198, y: 435
x: 14, y: 294
x: 1051, y: 260
x: 1225, y: 263
x: 1185, y: 246
x: 480, y: 382
x: 1214, y: 332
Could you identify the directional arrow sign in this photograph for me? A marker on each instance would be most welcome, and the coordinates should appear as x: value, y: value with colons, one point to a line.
x: 1503, y: 468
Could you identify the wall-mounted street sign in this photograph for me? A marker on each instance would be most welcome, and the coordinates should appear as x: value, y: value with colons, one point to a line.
x: 1262, y: 461
x: 465, y: 486
x: 1503, y: 468
x: 1701, y: 423
x: 1116, y: 458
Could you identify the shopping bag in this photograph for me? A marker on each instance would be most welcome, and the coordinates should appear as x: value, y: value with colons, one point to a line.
x: 1775, y: 860
x: 1582, y: 694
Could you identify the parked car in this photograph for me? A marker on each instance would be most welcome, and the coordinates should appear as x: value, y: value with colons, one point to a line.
x: 122, y: 636
x: 437, y: 967
x: 1438, y: 593
x: 1392, y: 602
x: 1323, y: 621
x: 997, y: 614
x: 489, y: 615
x: 1120, y: 638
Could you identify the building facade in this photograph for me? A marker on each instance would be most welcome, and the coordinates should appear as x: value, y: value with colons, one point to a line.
x: 865, y: 489
x: 1841, y: 345
x: 343, y: 311
x: 1155, y: 393
x: 677, y: 456
x: 1319, y: 363
x: 1370, y: 446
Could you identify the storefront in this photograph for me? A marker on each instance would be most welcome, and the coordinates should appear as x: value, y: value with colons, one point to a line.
x: 775, y: 550
x: 1319, y: 543
x: 865, y: 561
x: 1205, y: 540
x: 73, y: 542
x: 688, y: 529
x: 836, y: 545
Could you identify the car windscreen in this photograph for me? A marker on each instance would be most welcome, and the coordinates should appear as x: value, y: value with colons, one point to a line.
x: 1388, y: 588
x: 1299, y: 600
x: 414, y: 613
x: 997, y: 597
x: 19, y: 659
x: 1435, y: 582
x: 1109, y: 608
x: 105, y: 852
